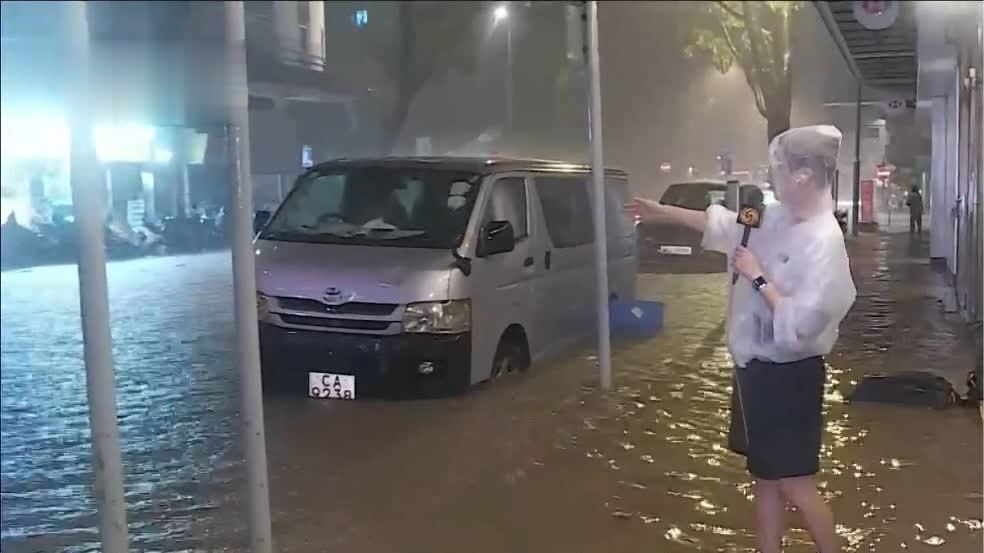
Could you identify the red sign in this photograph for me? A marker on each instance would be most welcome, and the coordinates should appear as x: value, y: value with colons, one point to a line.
x: 867, y: 202
x: 874, y: 7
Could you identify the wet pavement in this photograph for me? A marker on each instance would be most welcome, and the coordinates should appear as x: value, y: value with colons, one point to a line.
x: 542, y: 461
x: 904, y: 318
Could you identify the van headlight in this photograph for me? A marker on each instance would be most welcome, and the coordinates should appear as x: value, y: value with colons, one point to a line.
x: 439, y: 317
x: 262, y: 307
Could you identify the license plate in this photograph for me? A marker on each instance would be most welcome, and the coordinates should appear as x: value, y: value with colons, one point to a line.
x: 331, y: 386
x: 675, y: 250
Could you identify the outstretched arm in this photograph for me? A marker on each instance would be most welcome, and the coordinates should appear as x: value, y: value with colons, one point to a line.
x: 650, y: 211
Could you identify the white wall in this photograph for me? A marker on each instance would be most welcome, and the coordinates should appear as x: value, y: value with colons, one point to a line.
x: 943, y: 183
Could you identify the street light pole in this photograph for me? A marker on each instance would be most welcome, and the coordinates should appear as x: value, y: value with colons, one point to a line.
x: 598, y: 182
x: 509, y: 76
x: 88, y: 194
x: 501, y: 15
x: 244, y: 283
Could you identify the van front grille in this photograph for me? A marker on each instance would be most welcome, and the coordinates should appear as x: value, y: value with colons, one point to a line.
x: 352, y: 308
x: 340, y: 324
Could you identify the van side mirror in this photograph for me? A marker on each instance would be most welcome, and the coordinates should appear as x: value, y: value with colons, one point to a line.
x: 260, y: 219
x: 496, y: 237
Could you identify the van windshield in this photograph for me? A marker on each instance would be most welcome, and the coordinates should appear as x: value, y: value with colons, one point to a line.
x: 377, y: 206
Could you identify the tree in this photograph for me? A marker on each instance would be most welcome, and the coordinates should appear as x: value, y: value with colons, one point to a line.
x: 755, y: 36
x: 429, y: 39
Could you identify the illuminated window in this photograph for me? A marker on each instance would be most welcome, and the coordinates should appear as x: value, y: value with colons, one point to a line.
x: 361, y: 18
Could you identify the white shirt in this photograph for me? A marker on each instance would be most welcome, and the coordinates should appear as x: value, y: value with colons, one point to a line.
x: 806, y: 261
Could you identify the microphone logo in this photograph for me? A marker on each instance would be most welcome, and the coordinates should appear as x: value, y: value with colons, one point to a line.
x: 749, y: 217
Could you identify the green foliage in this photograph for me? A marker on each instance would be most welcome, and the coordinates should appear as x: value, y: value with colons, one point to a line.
x: 755, y: 36
x: 712, y: 44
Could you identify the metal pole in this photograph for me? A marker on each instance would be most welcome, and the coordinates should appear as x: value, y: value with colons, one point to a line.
x: 974, y: 186
x: 733, y: 200
x: 855, y: 201
x: 598, y: 181
x: 244, y: 285
x: 185, y: 190
x: 509, y: 75
x: 108, y: 208
x: 88, y: 185
x: 957, y: 102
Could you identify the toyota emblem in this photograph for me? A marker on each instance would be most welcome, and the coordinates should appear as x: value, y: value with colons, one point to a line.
x: 333, y: 296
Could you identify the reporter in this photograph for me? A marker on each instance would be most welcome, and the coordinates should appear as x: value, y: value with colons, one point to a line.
x: 783, y: 318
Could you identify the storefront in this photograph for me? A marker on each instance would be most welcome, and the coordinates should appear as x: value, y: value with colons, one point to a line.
x: 148, y: 169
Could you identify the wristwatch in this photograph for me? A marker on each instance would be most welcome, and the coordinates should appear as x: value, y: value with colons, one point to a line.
x: 760, y: 283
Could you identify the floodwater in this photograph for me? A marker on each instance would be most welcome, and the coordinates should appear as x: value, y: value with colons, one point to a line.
x: 542, y: 461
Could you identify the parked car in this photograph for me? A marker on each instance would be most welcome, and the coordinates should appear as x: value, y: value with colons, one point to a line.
x: 394, y: 276
x: 675, y: 249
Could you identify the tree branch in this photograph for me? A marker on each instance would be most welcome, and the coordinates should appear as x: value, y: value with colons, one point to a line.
x: 724, y: 6
x: 754, y: 33
x: 780, y: 44
x: 746, y: 67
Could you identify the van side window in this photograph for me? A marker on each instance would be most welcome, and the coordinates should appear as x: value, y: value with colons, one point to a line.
x: 508, y: 203
x: 566, y: 210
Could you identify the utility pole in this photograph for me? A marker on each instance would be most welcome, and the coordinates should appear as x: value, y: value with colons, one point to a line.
x: 598, y: 182
x: 88, y: 197
x: 244, y: 283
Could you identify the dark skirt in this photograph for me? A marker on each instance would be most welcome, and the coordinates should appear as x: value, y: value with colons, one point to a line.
x: 776, y: 419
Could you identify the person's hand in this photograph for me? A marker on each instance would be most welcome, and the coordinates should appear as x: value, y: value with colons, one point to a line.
x: 747, y: 264
x: 648, y: 211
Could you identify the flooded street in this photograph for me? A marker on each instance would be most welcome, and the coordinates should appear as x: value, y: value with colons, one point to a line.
x: 541, y: 461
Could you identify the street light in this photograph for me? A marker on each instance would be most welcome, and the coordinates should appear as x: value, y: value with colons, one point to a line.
x: 501, y: 13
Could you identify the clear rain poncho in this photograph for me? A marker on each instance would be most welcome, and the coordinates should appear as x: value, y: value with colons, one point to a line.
x: 802, y: 252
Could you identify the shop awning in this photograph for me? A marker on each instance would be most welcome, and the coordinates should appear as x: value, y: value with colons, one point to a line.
x: 885, y: 59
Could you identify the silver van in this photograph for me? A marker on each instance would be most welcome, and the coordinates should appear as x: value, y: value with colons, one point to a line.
x: 419, y: 275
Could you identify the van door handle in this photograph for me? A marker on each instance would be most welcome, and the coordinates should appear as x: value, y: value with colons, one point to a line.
x: 546, y: 260
x: 528, y: 262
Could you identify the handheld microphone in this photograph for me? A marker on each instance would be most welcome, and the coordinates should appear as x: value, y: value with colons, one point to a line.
x: 749, y: 216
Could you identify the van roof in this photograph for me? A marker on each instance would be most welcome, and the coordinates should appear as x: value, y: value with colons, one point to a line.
x: 481, y: 165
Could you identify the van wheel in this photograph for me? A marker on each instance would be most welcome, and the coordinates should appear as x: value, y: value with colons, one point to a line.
x: 511, y: 355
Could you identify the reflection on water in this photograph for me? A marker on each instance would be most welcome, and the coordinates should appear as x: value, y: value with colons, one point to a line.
x: 537, y: 462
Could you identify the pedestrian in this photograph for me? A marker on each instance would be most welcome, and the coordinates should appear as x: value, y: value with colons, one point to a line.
x: 914, y: 200
x: 783, y: 317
